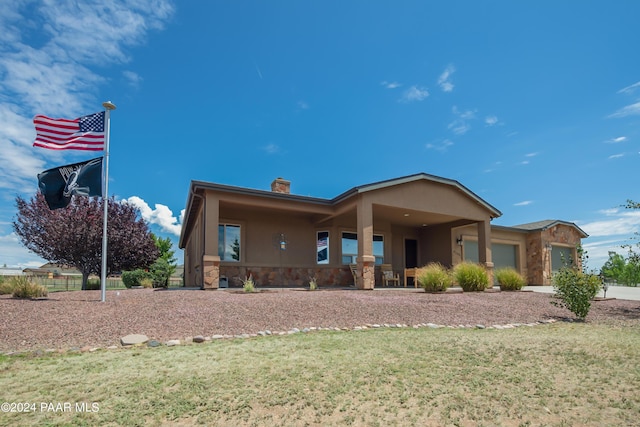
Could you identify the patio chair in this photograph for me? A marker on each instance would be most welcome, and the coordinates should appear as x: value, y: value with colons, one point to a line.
x: 388, y: 276
x: 354, y: 272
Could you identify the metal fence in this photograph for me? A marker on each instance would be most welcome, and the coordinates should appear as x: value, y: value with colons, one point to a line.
x: 70, y: 283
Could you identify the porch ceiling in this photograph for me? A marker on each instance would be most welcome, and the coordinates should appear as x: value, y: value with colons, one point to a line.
x: 411, y: 218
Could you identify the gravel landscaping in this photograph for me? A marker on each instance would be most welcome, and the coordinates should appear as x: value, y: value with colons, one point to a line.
x: 79, y: 319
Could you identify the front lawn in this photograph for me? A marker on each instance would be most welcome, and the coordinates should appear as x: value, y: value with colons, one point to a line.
x: 557, y: 375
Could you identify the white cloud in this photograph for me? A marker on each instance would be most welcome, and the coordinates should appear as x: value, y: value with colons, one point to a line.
x: 531, y: 154
x: 444, y: 81
x: 460, y: 125
x: 629, y: 110
x: 390, y: 85
x: 161, y: 215
x: 523, y: 203
x: 271, y: 148
x: 598, y: 251
x: 616, y: 140
x: 47, y: 55
x: 630, y: 89
x: 133, y: 78
x: 440, y: 146
x: 491, y: 120
x: 609, y: 212
x: 621, y: 223
x: 14, y: 254
x: 616, y: 156
x: 414, y: 93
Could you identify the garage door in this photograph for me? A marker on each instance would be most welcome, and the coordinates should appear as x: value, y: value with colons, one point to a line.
x: 502, y: 254
x: 560, y: 256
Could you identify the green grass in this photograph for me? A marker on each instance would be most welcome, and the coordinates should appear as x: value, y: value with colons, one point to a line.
x: 553, y: 375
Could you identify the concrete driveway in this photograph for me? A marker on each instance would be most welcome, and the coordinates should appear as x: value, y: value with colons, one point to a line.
x: 619, y: 292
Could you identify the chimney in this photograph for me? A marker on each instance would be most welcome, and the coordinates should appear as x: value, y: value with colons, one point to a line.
x: 281, y: 185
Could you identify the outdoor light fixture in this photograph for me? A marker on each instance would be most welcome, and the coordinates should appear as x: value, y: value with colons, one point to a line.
x: 459, y: 241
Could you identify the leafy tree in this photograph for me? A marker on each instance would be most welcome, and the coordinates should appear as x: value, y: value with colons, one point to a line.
x: 614, y: 267
x: 73, y: 235
x: 164, y: 248
x: 625, y: 270
x: 165, y: 265
x: 631, y: 275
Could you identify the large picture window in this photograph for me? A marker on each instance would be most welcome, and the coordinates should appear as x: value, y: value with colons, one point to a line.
x: 350, y: 248
x: 229, y: 242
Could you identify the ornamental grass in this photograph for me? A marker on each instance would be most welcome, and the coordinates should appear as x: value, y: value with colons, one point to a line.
x: 471, y: 277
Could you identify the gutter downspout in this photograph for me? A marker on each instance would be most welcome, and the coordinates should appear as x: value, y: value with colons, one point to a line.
x: 204, y: 228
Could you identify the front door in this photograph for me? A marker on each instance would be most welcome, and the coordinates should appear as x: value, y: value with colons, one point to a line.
x: 410, y: 256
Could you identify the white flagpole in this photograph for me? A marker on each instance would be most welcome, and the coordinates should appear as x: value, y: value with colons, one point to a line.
x: 105, y: 197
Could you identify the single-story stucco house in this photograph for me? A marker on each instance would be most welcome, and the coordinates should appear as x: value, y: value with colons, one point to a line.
x: 283, y: 239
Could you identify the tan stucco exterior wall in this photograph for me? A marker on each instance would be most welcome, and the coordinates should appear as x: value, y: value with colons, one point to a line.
x: 434, y: 206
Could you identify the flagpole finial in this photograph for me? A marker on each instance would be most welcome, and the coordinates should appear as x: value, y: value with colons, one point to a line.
x: 109, y: 105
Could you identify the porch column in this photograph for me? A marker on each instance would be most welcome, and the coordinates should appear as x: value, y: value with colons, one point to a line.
x: 211, y: 271
x: 211, y: 258
x: 484, y: 248
x: 366, y: 260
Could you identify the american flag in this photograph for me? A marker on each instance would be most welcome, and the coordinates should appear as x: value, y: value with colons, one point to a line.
x: 84, y: 133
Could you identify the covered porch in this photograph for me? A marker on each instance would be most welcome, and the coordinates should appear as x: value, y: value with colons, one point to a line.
x: 283, y: 239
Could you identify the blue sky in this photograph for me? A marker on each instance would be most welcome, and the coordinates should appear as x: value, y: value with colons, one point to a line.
x: 534, y: 106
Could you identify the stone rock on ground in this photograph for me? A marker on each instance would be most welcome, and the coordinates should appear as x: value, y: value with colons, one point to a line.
x: 134, y: 339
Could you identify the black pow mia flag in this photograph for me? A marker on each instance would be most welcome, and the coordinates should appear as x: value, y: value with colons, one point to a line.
x: 79, y: 179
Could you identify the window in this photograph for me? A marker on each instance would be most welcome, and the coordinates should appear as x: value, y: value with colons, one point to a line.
x: 378, y: 248
x: 350, y: 248
x: 322, y: 247
x: 229, y: 242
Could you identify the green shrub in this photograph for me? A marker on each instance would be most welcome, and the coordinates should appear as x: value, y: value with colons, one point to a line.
x: 313, y: 283
x: 471, y: 277
x: 93, y: 285
x: 6, y: 286
x: 509, y: 279
x: 248, y: 285
x: 134, y: 278
x: 146, y: 282
x: 575, y: 290
x: 24, y: 288
x: 160, y: 271
x: 434, y: 277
